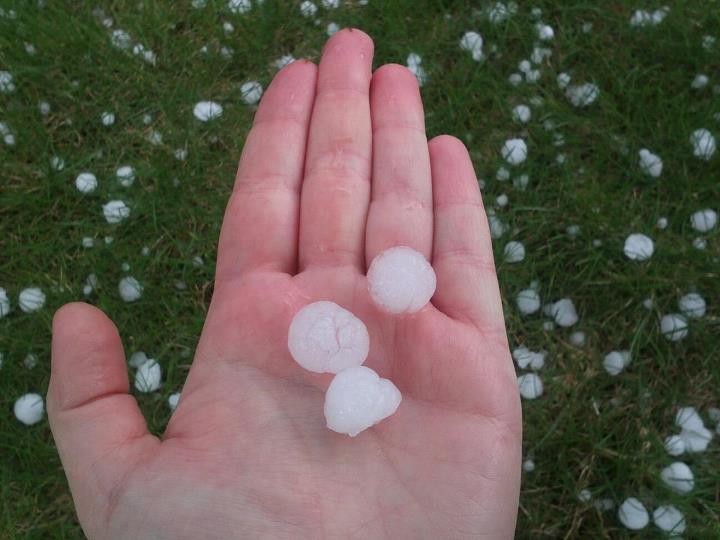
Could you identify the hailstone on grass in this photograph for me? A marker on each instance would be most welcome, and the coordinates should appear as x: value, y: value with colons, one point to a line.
x: 544, y: 32
x: 4, y: 303
x: 358, y: 398
x: 251, y: 92
x: 616, y: 361
x: 308, y: 8
x: 414, y: 64
x: 29, y: 409
x: 31, y: 299
x: 116, y: 211
x: 563, y: 312
x: 582, y: 95
x: 86, y: 182
x: 173, y: 400
x: 239, y: 6
x: 332, y: 28
x: 326, y: 338
x: 650, y: 163
x: 674, y: 445
x: 577, y: 338
x: 700, y: 81
x: 401, y: 280
x: 125, y: 175
x: 674, y: 326
x: 638, y: 247
x: 57, y: 163
x: 678, y: 477
x: 514, y: 252
x: 669, y: 519
x: 147, y: 377
x: 521, y: 114
x: 107, y: 118
x: 473, y: 43
x: 120, y: 39
x: 130, y: 289
x: 703, y: 143
x: 514, y: 151
x: 137, y: 359
x: 704, y: 220
x: 528, y: 465
x: 284, y: 60
x: 528, y: 301
x: 530, y: 386
x: 633, y: 514
x: 207, y: 110
x: 692, y: 305
x: 7, y: 85
x: 526, y: 358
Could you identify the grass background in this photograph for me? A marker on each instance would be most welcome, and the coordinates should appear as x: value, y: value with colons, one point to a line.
x: 589, y: 430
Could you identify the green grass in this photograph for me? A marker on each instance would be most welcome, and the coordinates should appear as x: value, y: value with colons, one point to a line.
x: 589, y: 430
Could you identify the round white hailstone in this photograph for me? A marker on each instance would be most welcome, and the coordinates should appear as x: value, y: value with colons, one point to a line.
x: 326, y: 338
x: 674, y: 445
x: 678, y: 477
x: 330, y: 4
x: 699, y: 243
x: 6, y: 82
x: 107, y: 118
x: 251, y: 92
x: 29, y: 409
x: 524, y: 66
x: 696, y: 440
x: 528, y: 465
x: 587, y: 27
x: 633, y: 514
x: 700, y: 81
x: 703, y: 143
x: 308, y: 8
x: 564, y: 313
x: 544, y: 32
x: 603, y: 505
x: 533, y: 75
x: 228, y: 28
x: 87, y: 290
x: 521, y: 181
x: 692, y: 305
x: 57, y: 163
x: 514, y: 252
x: 674, y: 326
x: 650, y: 163
x: 109, y: 240
x: 662, y: 223
x: 521, y: 114
x: 502, y: 200
x: 530, y: 386
x: 577, y: 338
x: 116, y: 211
x: 584, y: 496
x: 239, y: 6
x: 147, y: 377
x: 31, y: 299
x: 401, y: 280
x: 528, y: 301
x: 670, y: 519
x: 573, y: 230
x: 44, y: 108
x: 125, y: 175
x: 648, y: 303
x: 560, y: 159
x: 414, y: 60
x: 704, y: 220
x: 638, y: 247
x: 137, y: 359
x: 332, y: 28
x: 30, y: 361
x: 582, y: 95
x: 207, y: 110
x: 180, y: 154
x: 358, y: 398
x: 145, y: 251
x: 473, y: 43
x: 714, y: 414
x: 515, y: 79
x: 130, y: 289
x: 147, y: 119
x: 514, y: 151
x: 616, y: 361
x: 497, y: 227
x: 86, y: 182
x: 173, y: 400
x: 419, y: 72
x: 563, y: 80
x: 502, y: 174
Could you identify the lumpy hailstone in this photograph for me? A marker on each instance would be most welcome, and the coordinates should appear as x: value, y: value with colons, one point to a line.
x: 530, y: 386
x: 528, y: 301
x: 29, y: 409
x: 633, y: 514
x: 130, y: 289
x: 670, y: 519
x: 514, y: 252
x: 526, y: 358
x: 650, y: 163
x: 616, y: 361
x: 473, y: 43
x: 401, y: 280
x: 703, y: 143
x: 116, y: 211
x: 358, y: 398
x: 251, y: 92
x: 147, y: 377
x: 582, y: 95
x: 125, y: 175
x: 638, y: 247
x: 514, y: 151
x: 674, y: 326
x: 678, y: 477
x: 86, y: 182
x: 239, y: 6
x: 207, y: 110
x: 31, y: 299
x: 326, y: 338
x: 704, y: 220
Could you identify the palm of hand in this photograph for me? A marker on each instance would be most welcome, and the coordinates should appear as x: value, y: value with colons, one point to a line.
x: 247, y: 452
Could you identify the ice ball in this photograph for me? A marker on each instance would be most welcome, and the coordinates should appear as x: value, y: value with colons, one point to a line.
x: 31, y: 299
x: 674, y: 326
x: 401, y: 280
x: 86, y: 182
x: 633, y: 514
x: 678, y: 477
x: 530, y: 386
x: 638, y: 247
x: 29, y: 409
x: 147, y: 378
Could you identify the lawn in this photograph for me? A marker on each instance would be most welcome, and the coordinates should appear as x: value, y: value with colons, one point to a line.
x: 586, y: 192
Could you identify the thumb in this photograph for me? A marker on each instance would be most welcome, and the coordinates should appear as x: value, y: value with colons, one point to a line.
x: 99, y: 430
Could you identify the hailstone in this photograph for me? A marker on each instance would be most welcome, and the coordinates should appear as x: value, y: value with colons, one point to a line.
x: 147, y: 377
x: 401, y: 280
x: 678, y: 477
x: 31, y: 299
x: 29, y: 409
x: 633, y: 514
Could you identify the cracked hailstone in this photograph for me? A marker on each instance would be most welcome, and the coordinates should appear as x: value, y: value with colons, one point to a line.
x: 674, y: 326
x: 401, y: 280
x: 563, y: 312
x: 514, y: 252
x: 514, y: 151
x: 530, y: 386
x: 147, y: 377
x: 633, y: 514
x: 125, y: 175
x: 528, y: 301
x: 526, y: 358
x: 650, y: 163
x: 358, y: 398
x: 251, y: 92
x: 674, y: 445
x: 678, y: 477
x: 130, y: 289
x: 207, y: 110
x: 86, y: 182
x: 107, y: 118
x: 616, y: 361
x: 692, y: 305
x: 638, y: 247
x: 31, y: 299
x: 326, y: 338
x: 473, y: 43
x: 703, y: 143
x: 116, y: 211
x: 4, y: 303
x: 29, y: 409
x: 669, y: 519
x: 704, y: 220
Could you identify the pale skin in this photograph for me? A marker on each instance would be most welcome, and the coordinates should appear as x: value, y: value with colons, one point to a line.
x: 336, y: 168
